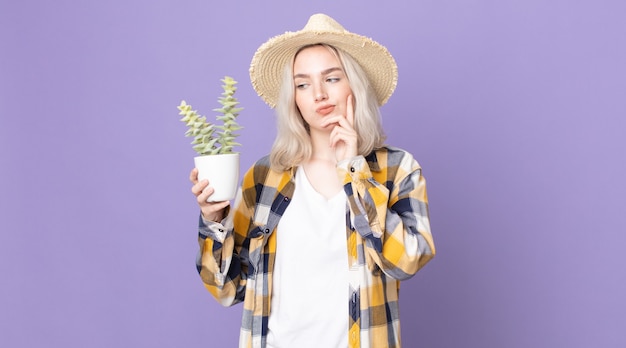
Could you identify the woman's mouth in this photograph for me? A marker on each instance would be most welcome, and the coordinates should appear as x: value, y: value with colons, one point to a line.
x: 325, y: 110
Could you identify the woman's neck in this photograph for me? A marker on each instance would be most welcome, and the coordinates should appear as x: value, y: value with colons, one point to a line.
x: 322, y: 151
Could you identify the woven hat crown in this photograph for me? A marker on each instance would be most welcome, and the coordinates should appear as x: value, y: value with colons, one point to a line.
x: 272, y: 57
x: 322, y: 23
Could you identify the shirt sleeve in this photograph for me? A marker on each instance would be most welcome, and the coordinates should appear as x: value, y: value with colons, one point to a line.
x: 389, y: 210
x: 222, y: 262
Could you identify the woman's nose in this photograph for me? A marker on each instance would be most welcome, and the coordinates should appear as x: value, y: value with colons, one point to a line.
x: 320, y: 93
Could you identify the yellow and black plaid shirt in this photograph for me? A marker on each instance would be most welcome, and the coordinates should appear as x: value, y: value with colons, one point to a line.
x: 387, y: 229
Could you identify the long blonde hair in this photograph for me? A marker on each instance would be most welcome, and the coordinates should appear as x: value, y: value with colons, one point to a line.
x: 292, y: 145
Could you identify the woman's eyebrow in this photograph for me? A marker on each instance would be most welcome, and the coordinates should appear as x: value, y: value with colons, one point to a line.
x: 324, y: 72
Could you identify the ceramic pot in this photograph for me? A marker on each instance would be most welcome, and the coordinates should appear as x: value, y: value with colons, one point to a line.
x: 222, y: 171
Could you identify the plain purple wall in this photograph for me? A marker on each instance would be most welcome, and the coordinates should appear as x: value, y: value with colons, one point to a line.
x: 515, y: 109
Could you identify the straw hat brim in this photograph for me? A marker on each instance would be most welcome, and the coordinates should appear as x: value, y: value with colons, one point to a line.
x: 270, y: 59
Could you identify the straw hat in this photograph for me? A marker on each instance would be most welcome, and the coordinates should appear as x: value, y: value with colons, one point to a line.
x: 267, y: 65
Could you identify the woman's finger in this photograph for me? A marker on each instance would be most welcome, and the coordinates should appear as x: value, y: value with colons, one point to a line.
x: 204, y: 195
x: 193, y: 176
x: 344, y: 132
x: 199, y: 187
x: 350, y: 111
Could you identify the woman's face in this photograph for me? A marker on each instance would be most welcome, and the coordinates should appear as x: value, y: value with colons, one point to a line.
x: 321, y: 86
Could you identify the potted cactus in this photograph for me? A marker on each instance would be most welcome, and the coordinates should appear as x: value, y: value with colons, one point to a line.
x: 216, y: 160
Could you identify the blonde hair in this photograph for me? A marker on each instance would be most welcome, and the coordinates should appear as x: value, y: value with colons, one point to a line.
x: 292, y: 145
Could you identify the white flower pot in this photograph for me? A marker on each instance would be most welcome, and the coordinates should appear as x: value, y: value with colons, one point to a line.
x: 222, y: 171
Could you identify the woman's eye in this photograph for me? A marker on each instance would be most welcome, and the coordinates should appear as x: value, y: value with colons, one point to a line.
x: 332, y: 79
x: 301, y: 85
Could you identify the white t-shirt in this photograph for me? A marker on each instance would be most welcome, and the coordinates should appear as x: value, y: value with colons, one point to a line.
x: 310, y: 291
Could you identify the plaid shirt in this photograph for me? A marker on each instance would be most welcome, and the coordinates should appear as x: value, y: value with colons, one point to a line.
x: 387, y: 229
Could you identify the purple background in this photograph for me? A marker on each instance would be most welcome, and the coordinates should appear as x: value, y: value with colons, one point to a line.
x: 515, y: 109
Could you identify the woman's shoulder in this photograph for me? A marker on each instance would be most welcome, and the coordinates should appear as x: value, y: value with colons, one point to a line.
x: 263, y: 162
x: 389, y: 149
x: 392, y: 156
x: 260, y: 166
x: 262, y: 169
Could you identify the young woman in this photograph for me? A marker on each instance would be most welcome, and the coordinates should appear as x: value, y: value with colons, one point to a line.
x: 326, y: 226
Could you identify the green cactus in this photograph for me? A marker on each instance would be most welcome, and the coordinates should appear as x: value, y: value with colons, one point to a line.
x: 209, y: 138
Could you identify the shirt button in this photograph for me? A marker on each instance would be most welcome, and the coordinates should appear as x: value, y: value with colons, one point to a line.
x: 352, y: 169
x: 267, y: 230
